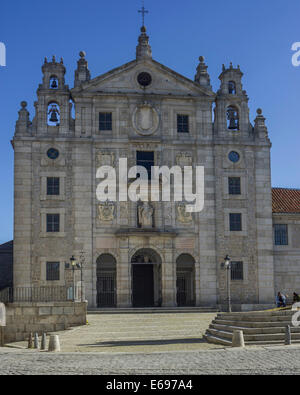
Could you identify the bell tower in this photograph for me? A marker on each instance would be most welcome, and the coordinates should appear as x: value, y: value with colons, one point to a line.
x: 232, y: 111
x: 53, y: 107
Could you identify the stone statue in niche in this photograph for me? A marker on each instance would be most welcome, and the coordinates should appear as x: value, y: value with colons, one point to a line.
x: 145, y: 215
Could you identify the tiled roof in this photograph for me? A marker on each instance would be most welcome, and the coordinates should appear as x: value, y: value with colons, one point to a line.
x: 286, y: 200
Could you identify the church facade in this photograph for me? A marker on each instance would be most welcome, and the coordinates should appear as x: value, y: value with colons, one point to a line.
x: 153, y: 253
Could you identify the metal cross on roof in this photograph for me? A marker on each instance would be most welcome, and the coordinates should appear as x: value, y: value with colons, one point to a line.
x: 143, y: 11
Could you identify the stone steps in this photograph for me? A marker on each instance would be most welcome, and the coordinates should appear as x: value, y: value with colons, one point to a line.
x: 259, y: 328
x: 252, y: 324
x: 153, y: 310
x: 253, y: 331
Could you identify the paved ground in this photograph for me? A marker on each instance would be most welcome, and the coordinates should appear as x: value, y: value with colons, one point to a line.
x: 156, y: 344
x: 138, y: 333
x: 273, y: 360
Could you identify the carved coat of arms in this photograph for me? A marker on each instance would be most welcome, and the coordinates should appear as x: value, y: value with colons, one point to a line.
x: 182, y: 215
x: 145, y: 119
x: 106, y: 212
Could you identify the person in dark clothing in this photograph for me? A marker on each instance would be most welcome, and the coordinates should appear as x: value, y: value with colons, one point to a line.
x: 296, y: 298
x: 280, y: 300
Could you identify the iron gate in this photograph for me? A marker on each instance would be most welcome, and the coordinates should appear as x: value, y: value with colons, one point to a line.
x: 106, y: 290
x: 181, y: 290
x: 185, y: 295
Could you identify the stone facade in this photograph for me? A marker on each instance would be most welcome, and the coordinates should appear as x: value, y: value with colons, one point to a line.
x: 143, y: 117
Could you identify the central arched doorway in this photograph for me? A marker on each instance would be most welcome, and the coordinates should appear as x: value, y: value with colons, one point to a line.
x: 106, y: 281
x: 146, y: 279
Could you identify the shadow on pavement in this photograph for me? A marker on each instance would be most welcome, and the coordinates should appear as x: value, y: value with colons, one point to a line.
x: 128, y: 343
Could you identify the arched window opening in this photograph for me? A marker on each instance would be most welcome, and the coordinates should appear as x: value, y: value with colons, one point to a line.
x: 106, y: 281
x: 185, y: 276
x: 53, y: 114
x: 233, y: 122
x: 231, y: 88
x: 53, y: 82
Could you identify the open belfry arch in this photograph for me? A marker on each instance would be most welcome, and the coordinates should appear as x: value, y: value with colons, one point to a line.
x: 144, y: 253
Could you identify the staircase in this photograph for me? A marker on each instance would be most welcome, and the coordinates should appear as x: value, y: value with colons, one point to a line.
x: 260, y: 328
x: 153, y: 310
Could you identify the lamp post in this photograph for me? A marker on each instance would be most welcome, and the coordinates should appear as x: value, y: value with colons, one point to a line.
x: 74, y: 266
x: 227, y: 266
x: 82, y: 262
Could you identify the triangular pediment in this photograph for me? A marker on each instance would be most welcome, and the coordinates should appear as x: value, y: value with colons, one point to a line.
x: 124, y: 80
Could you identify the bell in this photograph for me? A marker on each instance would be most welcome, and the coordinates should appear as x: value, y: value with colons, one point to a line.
x: 233, y: 119
x: 54, y: 84
x: 231, y: 88
x: 232, y: 124
x: 53, y: 117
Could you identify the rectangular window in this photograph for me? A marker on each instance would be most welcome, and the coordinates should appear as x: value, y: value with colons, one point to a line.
x: 235, y: 222
x: 145, y: 159
x: 182, y: 123
x: 52, y: 223
x: 52, y: 186
x: 281, y: 235
x: 234, y: 185
x: 52, y: 271
x: 237, y: 273
x: 105, y: 121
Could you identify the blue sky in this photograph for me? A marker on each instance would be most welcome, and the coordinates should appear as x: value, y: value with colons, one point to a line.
x: 258, y: 35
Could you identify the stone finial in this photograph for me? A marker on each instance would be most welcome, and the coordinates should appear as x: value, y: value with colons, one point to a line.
x: 259, y: 124
x: 143, y: 50
x: 82, y: 74
x: 53, y: 59
x: 23, y: 121
x: 202, y: 77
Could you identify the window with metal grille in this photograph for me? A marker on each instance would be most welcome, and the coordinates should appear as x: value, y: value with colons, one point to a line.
x: 145, y: 159
x: 52, y: 186
x: 235, y: 222
x: 105, y: 121
x: 237, y: 272
x: 52, y: 222
x: 234, y: 184
x: 52, y: 271
x: 281, y: 235
x: 182, y: 123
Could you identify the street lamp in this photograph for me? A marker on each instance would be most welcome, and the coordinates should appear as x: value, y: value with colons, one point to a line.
x: 74, y: 266
x: 227, y: 266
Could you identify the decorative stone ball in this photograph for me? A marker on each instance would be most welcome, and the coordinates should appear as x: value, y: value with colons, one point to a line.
x: 259, y: 111
x: 143, y: 29
x: 82, y: 54
x: 202, y: 59
x: 23, y: 104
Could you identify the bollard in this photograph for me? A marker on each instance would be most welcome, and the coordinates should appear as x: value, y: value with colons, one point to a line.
x: 238, y: 339
x: 36, y: 341
x: 30, y: 341
x: 288, y: 336
x: 54, y: 345
x: 44, y: 342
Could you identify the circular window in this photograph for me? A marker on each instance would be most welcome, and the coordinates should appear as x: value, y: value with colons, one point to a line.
x: 234, y: 156
x: 144, y: 79
x: 52, y: 153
